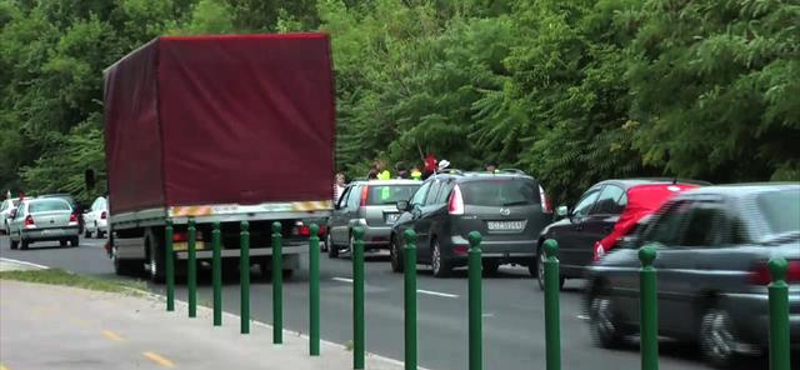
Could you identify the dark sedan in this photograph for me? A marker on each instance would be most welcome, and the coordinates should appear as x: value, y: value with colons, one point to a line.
x: 713, y: 246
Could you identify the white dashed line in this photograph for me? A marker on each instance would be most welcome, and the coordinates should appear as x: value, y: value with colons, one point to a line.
x: 343, y: 280
x: 438, y: 294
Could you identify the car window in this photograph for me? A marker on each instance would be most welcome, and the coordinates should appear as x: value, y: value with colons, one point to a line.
x: 354, y: 200
x: 430, y: 199
x: 99, y: 204
x: 667, y: 226
x: 444, y: 194
x: 585, y: 204
x: 707, y: 226
x: 775, y: 207
x: 608, y: 201
x: 49, y: 206
x: 419, y: 197
x: 390, y: 194
x: 501, y: 192
x: 343, y: 199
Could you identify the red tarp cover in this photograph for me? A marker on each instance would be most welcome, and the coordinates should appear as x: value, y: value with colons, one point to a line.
x: 643, y: 200
x: 240, y: 119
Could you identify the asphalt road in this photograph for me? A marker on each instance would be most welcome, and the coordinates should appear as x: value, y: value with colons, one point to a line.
x: 513, y: 312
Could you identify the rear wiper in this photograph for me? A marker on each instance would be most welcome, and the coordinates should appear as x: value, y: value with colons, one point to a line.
x: 517, y: 203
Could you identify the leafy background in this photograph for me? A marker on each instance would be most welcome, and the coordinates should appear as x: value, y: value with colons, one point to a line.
x: 571, y: 91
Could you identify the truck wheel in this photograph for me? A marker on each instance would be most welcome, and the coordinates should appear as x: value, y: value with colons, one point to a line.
x: 155, y: 256
x: 125, y: 267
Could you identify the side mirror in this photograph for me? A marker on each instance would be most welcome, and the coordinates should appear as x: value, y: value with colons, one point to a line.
x: 562, y: 211
x: 89, y: 179
x: 402, y: 205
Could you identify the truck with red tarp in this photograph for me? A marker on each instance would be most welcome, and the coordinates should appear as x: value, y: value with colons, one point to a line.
x: 218, y: 129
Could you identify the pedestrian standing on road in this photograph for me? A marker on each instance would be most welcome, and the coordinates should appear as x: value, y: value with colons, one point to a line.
x: 338, y: 187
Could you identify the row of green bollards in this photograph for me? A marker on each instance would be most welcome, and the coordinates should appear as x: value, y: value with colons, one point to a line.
x: 778, y: 297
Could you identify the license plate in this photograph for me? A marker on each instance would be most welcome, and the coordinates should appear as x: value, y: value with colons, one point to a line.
x: 184, y: 246
x: 505, y: 225
x: 392, y: 218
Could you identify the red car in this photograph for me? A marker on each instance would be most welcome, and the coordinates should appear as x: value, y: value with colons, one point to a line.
x: 605, y: 213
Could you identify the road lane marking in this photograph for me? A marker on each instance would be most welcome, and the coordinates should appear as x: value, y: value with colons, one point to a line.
x: 26, y: 263
x: 343, y: 280
x: 110, y: 335
x: 438, y: 294
x: 155, y: 357
x: 487, y: 315
x: 583, y: 317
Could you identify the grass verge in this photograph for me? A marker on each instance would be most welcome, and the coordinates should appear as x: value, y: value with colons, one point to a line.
x: 65, y: 278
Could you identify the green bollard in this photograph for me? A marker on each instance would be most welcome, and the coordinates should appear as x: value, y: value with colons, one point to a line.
x: 475, y: 303
x: 216, y: 273
x: 552, y: 320
x: 277, y: 284
x: 778, y: 316
x: 313, y: 290
x: 410, y: 256
x: 358, y: 298
x: 192, y: 268
x: 170, y: 257
x: 244, y: 271
x: 648, y: 304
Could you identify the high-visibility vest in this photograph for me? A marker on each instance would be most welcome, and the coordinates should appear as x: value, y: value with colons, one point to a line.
x: 385, y: 175
x: 416, y: 175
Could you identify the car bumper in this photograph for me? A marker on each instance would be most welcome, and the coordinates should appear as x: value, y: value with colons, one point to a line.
x: 518, y: 251
x: 50, y: 234
x: 750, y: 312
x: 377, y: 237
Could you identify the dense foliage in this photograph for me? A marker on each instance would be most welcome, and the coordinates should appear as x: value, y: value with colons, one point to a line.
x: 571, y: 91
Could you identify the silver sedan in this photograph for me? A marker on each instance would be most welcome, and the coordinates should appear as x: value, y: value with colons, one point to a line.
x: 38, y: 220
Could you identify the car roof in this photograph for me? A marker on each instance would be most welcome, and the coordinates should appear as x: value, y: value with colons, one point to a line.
x: 633, y: 182
x: 460, y: 176
x: 387, y: 182
x: 47, y: 199
x: 743, y: 189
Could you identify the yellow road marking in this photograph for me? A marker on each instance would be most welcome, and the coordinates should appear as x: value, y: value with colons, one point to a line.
x: 158, y: 359
x: 111, y: 335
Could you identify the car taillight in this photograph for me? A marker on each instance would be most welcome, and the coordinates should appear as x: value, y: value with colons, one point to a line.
x: 364, y: 194
x: 103, y: 215
x: 460, y: 250
x: 760, y: 274
x: 301, y: 229
x: 29, y: 221
x: 547, y: 206
x: 456, y: 204
x: 73, y: 218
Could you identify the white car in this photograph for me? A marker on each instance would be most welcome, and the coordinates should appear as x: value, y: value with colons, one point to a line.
x: 95, y: 220
x: 6, y: 207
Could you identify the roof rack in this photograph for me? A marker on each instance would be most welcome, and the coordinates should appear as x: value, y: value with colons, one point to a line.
x: 511, y: 170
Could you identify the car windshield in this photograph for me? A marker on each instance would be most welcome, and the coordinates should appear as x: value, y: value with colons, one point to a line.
x: 779, y: 209
x: 390, y: 194
x: 49, y: 205
x: 500, y: 192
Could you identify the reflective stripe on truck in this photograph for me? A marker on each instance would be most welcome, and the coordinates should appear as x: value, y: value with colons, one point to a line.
x: 229, y: 209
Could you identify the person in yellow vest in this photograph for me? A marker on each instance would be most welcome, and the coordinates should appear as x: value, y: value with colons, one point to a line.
x: 416, y: 174
x: 383, y: 173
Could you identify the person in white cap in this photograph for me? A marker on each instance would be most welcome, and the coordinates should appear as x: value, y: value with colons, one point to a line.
x: 443, y: 164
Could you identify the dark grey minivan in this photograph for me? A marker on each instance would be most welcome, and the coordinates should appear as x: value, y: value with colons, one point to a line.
x: 713, y: 245
x: 509, y: 209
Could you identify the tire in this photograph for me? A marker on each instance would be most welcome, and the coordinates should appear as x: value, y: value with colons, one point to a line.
x: 156, y: 258
x: 490, y: 267
x: 75, y: 242
x: 396, y: 256
x: 603, y: 323
x: 86, y: 233
x: 62, y: 243
x: 718, y: 338
x: 333, y: 250
x: 125, y: 267
x: 441, y: 268
x: 14, y: 244
x: 24, y: 244
x: 540, y: 273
